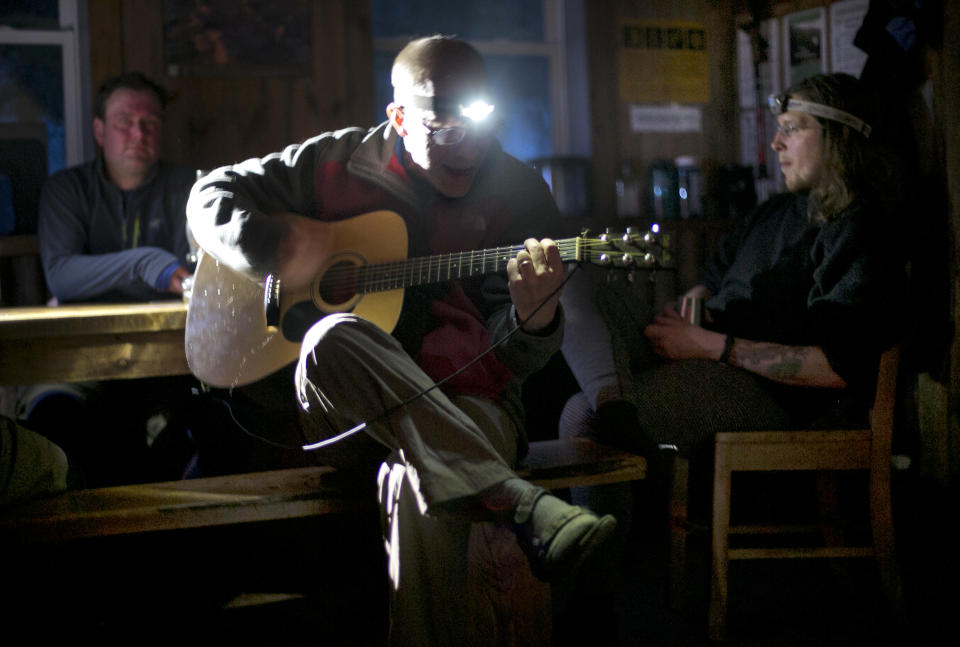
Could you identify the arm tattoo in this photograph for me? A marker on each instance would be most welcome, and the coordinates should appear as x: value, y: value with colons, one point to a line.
x: 774, y: 361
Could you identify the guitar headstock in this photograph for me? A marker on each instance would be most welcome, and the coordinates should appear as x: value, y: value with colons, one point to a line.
x: 627, y: 249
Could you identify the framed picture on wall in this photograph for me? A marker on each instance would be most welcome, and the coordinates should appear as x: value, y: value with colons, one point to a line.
x: 225, y: 38
x: 805, y: 45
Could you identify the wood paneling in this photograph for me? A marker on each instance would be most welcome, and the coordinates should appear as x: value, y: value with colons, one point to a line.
x: 106, y: 41
x: 214, y: 121
x: 946, y: 78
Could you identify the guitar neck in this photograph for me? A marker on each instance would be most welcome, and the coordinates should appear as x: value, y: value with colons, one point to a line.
x: 444, y: 267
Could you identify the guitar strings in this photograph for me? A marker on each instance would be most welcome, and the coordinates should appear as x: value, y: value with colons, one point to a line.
x: 400, y: 273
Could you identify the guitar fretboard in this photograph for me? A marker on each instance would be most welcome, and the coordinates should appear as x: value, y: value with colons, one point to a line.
x: 435, y: 269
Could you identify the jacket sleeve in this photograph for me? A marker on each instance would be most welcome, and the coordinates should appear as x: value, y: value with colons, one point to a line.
x: 536, y: 215
x: 229, y: 210
x: 73, y: 274
x: 855, y: 305
x: 523, y: 353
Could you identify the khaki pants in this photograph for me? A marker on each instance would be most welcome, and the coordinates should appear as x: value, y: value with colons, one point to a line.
x: 30, y: 465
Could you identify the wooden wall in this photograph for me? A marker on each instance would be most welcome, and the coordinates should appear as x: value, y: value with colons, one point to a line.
x: 943, y: 398
x: 215, y: 121
x: 612, y: 137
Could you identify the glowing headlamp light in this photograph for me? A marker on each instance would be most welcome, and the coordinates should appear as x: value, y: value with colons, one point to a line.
x: 475, y: 110
x: 779, y: 104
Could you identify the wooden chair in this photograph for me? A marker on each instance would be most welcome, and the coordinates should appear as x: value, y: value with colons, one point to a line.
x: 774, y: 451
x: 842, y: 449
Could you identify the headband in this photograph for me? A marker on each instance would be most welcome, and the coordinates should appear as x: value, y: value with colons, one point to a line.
x: 779, y: 104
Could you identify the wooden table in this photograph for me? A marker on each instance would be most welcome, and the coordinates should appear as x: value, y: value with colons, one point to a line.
x: 74, y: 343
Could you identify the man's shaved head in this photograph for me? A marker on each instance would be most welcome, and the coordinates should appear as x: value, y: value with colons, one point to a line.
x: 437, y: 66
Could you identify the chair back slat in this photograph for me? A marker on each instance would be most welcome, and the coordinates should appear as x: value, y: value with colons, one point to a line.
x: 881, y: 415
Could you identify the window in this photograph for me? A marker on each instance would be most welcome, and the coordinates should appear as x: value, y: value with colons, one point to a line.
x: 42, y: 73
x: 527, y: 45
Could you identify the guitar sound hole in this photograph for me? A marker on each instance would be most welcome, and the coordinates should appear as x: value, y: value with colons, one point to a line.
x: 339, y: 283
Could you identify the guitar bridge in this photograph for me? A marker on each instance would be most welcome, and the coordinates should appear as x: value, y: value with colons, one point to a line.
x: 271, y: 300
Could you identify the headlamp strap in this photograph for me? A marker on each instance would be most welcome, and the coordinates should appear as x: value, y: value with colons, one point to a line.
x: 828, y: 112
x: 782, y: 104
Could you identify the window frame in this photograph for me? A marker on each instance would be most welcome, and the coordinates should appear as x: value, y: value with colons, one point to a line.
x: 564, y: 109
x: 73, y: 39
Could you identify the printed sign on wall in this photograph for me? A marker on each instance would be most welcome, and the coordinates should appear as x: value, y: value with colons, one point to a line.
x: 663, y: 62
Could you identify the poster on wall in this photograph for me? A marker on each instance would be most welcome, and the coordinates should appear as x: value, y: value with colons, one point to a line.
x: 804, y: 45
x: 846, y: 17
x: 225, y: 38
x: 663, y: 62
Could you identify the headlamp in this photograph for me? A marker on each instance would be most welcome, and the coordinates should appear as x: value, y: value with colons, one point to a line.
x: 474, y: 110
x: 779, y: 104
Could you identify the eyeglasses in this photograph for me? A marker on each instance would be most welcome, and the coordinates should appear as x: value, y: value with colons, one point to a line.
x: 450, y: 135
x: 446, y: 136
x: 475, y: 113
x: 791, y: 129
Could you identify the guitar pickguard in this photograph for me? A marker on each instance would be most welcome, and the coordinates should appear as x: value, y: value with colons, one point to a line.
x: 297, y: 320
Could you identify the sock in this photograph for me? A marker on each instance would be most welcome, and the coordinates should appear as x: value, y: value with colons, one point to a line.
x: 503, y: 498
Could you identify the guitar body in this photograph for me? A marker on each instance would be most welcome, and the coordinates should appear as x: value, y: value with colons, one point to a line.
x: 228, y: 340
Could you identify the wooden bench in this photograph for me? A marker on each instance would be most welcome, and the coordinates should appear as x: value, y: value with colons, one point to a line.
x: 516, y: 610
x: 268, y: 496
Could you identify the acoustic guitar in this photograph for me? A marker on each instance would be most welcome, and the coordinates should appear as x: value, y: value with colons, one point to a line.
x: 239, y: 330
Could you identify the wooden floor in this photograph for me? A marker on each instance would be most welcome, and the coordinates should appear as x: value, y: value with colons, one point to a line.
x: 799, y: 603
x: 320, y: 582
